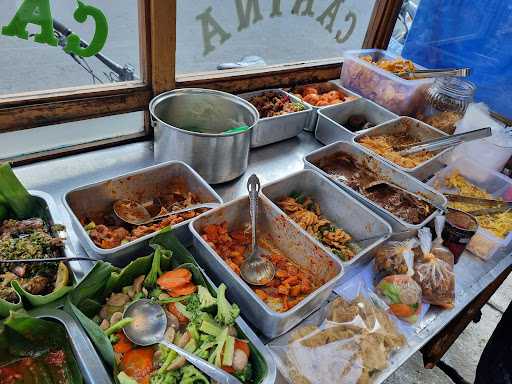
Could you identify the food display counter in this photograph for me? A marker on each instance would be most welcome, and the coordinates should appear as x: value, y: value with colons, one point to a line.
x: 270, y: 163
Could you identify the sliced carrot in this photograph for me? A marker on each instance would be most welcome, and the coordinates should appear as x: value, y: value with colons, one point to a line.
x: 138, y: 363
x: 123, y: 345
x: 244, y: 346
x: 402, y: 310
x: 175, y: 278
x: 228, y: 369
x: 184, y: 290
x: 183, y: 320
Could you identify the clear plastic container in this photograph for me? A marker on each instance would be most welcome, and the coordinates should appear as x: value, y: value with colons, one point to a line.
x: 483, y: 244
x: 403, y: 97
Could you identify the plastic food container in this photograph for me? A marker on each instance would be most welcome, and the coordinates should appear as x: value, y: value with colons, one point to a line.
x: 337, y: 206
x: 330, y: 128
x: 139, y: 185
x: 483, y: 244
x: 417, y: 129
x: 323, y: 88
x: 403, y: 97
x: 277, y: 128
x: 387, y: 172
x: 289, y: 238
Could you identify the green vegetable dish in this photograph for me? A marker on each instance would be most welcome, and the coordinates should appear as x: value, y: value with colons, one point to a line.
x: 26, y: 233
x: 35, y: 351
x: 199, y: 319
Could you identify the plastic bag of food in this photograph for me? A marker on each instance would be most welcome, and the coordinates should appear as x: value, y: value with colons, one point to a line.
x: 434, y: 275
x: 349, y: 341
x: 403, y: 296
x: 395, y: 258
x: 438, y: 249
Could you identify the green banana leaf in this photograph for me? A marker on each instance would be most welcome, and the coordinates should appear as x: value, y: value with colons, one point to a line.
x: 38, y: 300
x: 181, y: 257
x: 14, y: 194
x: 7, y: 306
x: 3, y: 211
x: 25, y: 336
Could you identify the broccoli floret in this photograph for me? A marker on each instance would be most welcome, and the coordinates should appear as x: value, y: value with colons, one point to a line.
x: 206, y: 300
x: 226, y: 313
x: 155, y: 271
x: 170, y: 377
x: 191, y: 375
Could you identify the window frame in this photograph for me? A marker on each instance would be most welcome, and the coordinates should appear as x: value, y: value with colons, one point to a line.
x: 157, y: 34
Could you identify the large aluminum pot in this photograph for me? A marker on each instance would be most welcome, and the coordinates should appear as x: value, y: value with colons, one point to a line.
x: 189, y: 125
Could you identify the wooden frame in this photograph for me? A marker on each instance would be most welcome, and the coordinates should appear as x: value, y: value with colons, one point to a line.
x: 157, y: 22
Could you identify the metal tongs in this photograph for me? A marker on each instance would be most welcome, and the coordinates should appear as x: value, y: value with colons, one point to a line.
x: 429, y: 73
x: 445, y: 141
x: 494, y: 206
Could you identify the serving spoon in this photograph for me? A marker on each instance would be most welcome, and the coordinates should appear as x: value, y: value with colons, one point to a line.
x: 138, y: 214
x: 255, y: 269
x: 148, y: 327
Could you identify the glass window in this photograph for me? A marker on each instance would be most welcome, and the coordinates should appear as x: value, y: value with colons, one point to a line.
x: 462, y: 33
x: 211, y: 33
x: 31, y: 141
x: 30, y: 66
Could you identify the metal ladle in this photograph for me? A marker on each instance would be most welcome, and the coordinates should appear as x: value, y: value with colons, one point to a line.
x: 139, y: 215
x: 255, y: 269
x: 148, y: 327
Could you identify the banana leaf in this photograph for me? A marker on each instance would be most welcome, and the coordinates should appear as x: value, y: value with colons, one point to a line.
x: 25, y: 336
x: 181, y: 257
x: 14, y: 194
x: 7, y: 306
x: 38, y: 300
x: 3, y: 211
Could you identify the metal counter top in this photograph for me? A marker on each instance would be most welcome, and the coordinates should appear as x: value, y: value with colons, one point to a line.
x: 270, y: 163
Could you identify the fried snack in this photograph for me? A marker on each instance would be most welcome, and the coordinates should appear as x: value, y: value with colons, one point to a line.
x: 317, y: 97
x: 291, y: 283
x: 353, y: 343
x: 396, y: 66
x: 385, y: 146
x: 445, y: 121
x: 499, y: 224
x: 305, y: 212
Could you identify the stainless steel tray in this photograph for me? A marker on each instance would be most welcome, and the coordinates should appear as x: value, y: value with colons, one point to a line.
x: 55, y: 216
x: 336, y: 205
x: 288, y: 237
x: 91, y: 366
x: 330, y: 128
x: 388, y: 173
x: 142, y: 184
x: 417, y: 129
x: 274, y: 129
x: 324, y: 87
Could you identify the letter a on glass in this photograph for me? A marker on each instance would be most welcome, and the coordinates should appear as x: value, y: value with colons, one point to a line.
x: 32, y: 12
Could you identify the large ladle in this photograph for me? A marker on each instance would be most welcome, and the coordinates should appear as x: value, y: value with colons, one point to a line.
x: 255, y: 269
x: 137, y: 214
x: 148, y: 327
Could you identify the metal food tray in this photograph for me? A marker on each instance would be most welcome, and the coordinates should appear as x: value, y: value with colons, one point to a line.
x: 337, y: 206
x: 388, y: 172
x: 277, y: 128
x: 91, y: 366
x: 288, y: 237
x: 324, y: 87
x: 417, y: 129
x: 330, y: 128
x: 53, y: 216
x: 145, y: 183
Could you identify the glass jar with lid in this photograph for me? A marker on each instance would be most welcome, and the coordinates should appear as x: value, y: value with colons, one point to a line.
x: 447, y: 99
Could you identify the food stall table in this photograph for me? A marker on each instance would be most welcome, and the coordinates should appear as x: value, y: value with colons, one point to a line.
x: 476, y: 280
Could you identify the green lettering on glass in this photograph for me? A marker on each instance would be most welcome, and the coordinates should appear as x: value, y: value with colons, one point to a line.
x: 100, y: 33
x: 210, y: 28
x: 244, y: 15
x: 276, y: 8
x: 32, y: 12
x: 331, y: 11
x: 308, y: 11
x: 350, y: 16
